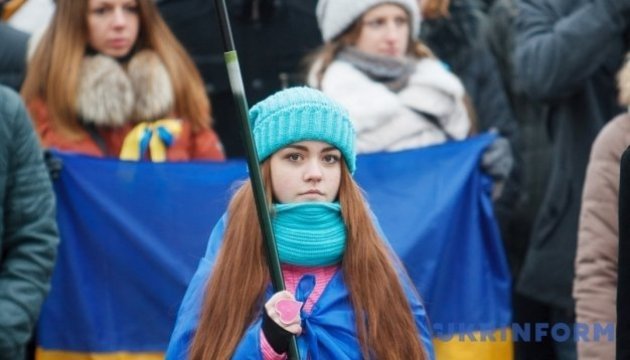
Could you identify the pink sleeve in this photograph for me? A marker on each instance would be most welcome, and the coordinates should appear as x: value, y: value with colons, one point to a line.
x: 267, y: 351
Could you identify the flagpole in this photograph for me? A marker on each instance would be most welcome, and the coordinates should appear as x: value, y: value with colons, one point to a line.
x: 238, y: 92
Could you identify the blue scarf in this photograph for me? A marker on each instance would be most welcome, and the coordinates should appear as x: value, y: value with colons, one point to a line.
x: 309, y: 233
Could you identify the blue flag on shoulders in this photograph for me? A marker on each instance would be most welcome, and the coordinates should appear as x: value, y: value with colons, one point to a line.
x: 133, y: 233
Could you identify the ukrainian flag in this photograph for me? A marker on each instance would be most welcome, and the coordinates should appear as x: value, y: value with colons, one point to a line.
x: 133, y: 232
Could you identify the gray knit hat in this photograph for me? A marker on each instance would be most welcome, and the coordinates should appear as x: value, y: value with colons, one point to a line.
x: 335, y: 16
x: 300, y: 114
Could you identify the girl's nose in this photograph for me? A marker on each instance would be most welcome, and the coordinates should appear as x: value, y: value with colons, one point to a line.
x: 313, y: 171
x: 392, y: 31
x: 119, y: 17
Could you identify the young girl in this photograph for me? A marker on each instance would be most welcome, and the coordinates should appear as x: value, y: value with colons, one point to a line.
x: 108, y: 78
x: 354, y: 298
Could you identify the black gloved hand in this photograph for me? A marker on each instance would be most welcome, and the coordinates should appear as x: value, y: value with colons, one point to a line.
x: 497, y: 160
x: 276, y: 328
x: 53, y: 164
x: 276, y: 336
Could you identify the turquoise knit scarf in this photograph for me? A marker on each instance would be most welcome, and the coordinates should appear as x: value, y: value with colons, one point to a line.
x: 309, y: 233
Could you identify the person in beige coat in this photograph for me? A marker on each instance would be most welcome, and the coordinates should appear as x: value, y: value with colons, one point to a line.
x: 595, y: 284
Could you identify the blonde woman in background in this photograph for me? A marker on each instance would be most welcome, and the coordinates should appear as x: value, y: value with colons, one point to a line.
x: 108, y: 78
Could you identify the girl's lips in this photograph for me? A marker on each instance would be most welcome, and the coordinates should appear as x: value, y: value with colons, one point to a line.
x: 312, y: 192
x: 391, y: 52
x: 118, y: 43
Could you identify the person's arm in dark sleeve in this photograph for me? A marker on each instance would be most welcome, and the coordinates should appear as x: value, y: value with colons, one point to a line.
x: 556, y: 53
x: 489, y: 97
x: 30, y: 236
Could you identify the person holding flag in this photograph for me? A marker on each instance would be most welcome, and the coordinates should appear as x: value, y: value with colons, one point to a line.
x: 347, y: 294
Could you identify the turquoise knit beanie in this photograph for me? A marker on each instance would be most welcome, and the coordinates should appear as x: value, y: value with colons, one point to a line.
x: 300, y: 114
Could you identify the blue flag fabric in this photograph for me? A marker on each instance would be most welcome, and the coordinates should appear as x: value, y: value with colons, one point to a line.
x: 133, y: 233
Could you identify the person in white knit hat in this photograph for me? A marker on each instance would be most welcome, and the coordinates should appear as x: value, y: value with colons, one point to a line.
x: 335, y: 17
x: 398, y: 94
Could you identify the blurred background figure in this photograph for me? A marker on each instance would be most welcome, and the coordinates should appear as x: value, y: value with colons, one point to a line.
x: 108, y: 78
x: 28, y: 231
x: 399, y: 96
x: 534, y: 150
x: 476, y: 39
x: 595, y: 285
x: 567, y: 55
x: 532, y: 144
x: 456, y: 31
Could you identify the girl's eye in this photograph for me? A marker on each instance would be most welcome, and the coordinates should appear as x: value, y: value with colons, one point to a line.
x: 331, y: 159
x: 400, y: 21
x: 294, y: 157
x: 132, y: 8
x: 99, y: 10
x: 374, y: 24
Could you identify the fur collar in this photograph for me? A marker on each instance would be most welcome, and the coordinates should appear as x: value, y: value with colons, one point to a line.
x: 112, y: 94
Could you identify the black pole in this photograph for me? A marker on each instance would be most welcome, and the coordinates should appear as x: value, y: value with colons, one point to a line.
x: 238, y: 92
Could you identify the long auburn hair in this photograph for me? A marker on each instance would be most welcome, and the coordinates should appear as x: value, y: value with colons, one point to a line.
x: 321, y: 58
x: 369, y: 271
x: 53, y: 71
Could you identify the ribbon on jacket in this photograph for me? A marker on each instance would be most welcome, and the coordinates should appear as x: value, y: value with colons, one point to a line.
x: 308, y: 344
x: 156, y: 136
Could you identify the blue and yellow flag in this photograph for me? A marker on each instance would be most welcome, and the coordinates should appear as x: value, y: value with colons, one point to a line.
x: 133, y: 233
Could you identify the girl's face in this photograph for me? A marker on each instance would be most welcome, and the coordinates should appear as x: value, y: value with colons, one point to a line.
x: 384, y: 31
x: 306, y: 171
x: 113, y: 26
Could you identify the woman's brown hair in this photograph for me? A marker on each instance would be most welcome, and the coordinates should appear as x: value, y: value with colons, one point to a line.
x: 53, y: 72
x: 369, y: 271
x: 435, y: 9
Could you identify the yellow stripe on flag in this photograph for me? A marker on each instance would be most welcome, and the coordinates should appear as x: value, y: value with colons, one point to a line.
x: 476, y: 346
x: 42, y: 354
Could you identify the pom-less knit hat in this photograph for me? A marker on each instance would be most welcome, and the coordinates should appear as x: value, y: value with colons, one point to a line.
x: 301, y: 114
x: 335, y: 16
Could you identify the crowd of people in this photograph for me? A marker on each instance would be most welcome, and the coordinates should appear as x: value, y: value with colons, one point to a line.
x: 136, y: 80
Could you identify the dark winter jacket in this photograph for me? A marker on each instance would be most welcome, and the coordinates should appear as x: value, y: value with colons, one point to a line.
x: 460, y: 41
x: 567, y: 55
x: 28, y: 231
x: 532, y: 145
